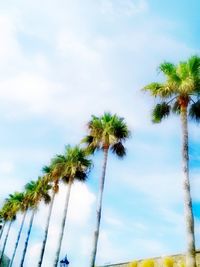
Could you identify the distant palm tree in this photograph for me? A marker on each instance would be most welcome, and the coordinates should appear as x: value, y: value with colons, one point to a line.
x: 73, y: 165
x: 23, y: 206
x: 3, y: 223
x: 53, y: 177
x: 107, y: 132
x: 180, y: 93
x: 35, y: 192
x: 8, y: 212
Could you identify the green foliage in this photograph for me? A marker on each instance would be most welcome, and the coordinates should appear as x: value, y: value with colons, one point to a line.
x: 160, y: 111
x: 154, y: 88
x: 74, y: 164
x: 176, y: 107
x: 148, y: 263
x: 107, y: 131
x: 194, y: 111
x: 35, y: 191
x: 168, y: 262
x: 182, y: 82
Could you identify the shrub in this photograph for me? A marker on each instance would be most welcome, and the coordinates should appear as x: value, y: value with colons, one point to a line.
x: 168, y: 262
x: 147, y: 263
x: 133, y: 264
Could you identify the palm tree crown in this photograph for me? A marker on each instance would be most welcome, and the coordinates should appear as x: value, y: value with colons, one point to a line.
x: 36, y: 191
x: 180, y: 90
x: 107, y: 131
x: 74, y: 164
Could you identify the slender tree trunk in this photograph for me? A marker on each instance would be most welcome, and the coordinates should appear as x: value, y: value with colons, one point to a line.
x: 63, y: 224
x: 27, y: 239
x: 2, y: 229
x: 46, y: 230
x: 18, y: 238
x: 5, y: 242
x: 99, y: 208
x: 189, y: 219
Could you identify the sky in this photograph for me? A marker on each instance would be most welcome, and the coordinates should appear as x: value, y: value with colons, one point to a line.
x: 62, y: 61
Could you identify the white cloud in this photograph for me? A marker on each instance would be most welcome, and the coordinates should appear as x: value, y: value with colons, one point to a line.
x: 73, y: 47
x: 9, y: 47
x: 29, y: 92
x: 124, y: 7
x: 6, y: 167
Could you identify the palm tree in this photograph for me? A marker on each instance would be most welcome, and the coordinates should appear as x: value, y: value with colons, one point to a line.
x: 8, y: 212
x: 73, y: 165
x: 3, y: 223
x: 23, y: 205
x: 52, y: 176
x: 180, y: 93
x: 35, y: 192
x: 107, y: 132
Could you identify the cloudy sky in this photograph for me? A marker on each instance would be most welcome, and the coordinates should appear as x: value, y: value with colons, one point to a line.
x: 60, y: 62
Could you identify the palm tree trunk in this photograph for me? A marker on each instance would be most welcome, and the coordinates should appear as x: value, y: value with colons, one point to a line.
x: 46, y: 230
x: 27, y: 239
x: 5, y: 242
x: 18, y: 238
x: 189, y: 219
x: 99, y: 208
x: 2, y: 229
x: 63, y: 225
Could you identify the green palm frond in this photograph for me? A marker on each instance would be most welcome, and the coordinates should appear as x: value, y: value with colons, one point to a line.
x: 167, y: 68
x: 194, y: 111
x: 46, y: 169
x: 194, y: 66
x: 161, y: 90
x: 160, y: 111
x: 119, y: 149
x: 154, y: 88
x: 120, y: 128
x: 173, y: 79
x: 176, y: 108
x: 183, y: 70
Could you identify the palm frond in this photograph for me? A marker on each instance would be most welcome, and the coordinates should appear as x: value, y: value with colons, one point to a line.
x: 194, y: 66
x: 194, y: 111
x: 119, y: 149
x: 160, y: 111
x: 46, y: 169
x: 88, y: 139
x: 176, y: 108
x: 154, y: 88
x: 167, y: 69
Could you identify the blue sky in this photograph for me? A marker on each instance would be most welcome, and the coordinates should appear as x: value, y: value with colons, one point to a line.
x: 60, y: 62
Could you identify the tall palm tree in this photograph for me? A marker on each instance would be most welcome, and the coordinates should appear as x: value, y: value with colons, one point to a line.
x: 73, y: 165
x: 23, y: 205
x: 107, y: 132
x: 52, y: 176
x: 8, y: 212
x: 180, y: 93
x: 35, y: 192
